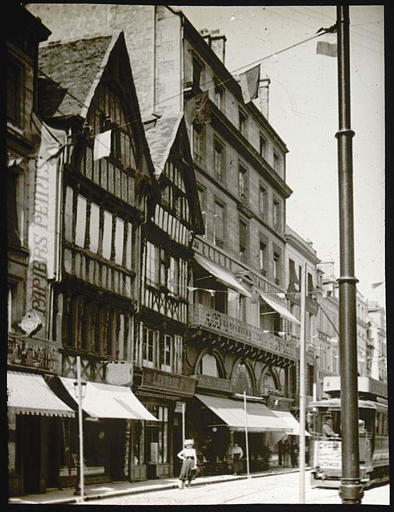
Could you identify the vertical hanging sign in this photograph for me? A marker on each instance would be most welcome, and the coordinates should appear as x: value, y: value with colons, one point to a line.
x: 42, y: 220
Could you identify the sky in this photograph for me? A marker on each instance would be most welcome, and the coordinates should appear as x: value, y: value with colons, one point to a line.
x: 303, y: 110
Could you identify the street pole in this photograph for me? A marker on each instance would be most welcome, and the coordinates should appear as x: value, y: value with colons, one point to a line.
x: 302, y: 387
x: 183, y: 424
x: 246, y: 437
x: 350, y: 490
x: 80, y: 424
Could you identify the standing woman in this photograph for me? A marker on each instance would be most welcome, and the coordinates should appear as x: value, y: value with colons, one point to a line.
x: 189, y: 463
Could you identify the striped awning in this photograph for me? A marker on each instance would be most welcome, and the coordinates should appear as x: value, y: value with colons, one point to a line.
x: 258, y: 417
x: 109, y: 401
x: 222, y: 275
x: 294, y: 426
x: 28, y: 393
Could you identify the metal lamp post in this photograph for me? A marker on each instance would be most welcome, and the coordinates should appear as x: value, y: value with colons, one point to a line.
x: 351, y: 490
x: 302, y: 387
x: 79, y: 389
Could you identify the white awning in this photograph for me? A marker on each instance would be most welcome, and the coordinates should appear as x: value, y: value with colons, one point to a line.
x: 109, y: 401
x: 279, y: 308
x: 223, y: 275
x: 294, y: 426
x: 259, y: 417
x: 29, y: 394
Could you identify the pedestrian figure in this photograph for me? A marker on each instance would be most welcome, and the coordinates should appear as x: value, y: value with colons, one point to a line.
x: 293, y: 452
x: 235, y: 456
x: 327, y: 427
x: 189, y: 463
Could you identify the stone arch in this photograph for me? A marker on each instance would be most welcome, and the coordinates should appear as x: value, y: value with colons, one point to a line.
x: 243, y: 377
x: 219, y: 361
x: 269, y: 379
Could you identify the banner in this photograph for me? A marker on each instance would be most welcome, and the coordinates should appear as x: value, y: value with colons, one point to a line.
x: 43, y: 221
x: 249, y: 82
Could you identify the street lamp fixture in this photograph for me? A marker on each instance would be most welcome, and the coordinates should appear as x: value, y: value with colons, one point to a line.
x: 80, y: 391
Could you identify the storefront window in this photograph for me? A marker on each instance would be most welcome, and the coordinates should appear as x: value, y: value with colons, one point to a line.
x: 157, y: 435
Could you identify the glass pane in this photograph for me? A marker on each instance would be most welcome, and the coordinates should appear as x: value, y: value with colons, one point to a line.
x: 129, y: 243
x: 80, y: 226
x: 94, y: 227
x: 119, y: 239
x: 68, y: 215
x: 107, y: 235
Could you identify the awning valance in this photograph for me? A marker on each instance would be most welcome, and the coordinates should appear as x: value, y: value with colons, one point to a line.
x: 29, y: 394
x: 294, y: 426
x: 279, y: 308
x: 109, y: 401
x: 259, y: 417
x: 223, y: 275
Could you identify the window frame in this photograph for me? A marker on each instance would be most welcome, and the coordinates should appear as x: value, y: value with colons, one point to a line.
x: 219, y: 148
x: 217, y: 241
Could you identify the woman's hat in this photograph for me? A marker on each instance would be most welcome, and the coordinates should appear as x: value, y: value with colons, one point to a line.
x: 188, y: 442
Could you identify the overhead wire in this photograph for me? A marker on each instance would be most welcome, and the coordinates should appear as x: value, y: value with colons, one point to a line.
x: 213, y: 81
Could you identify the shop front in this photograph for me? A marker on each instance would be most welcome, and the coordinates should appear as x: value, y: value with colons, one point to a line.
x: 35, y: 415
x: 166, y: 396
x: 113, y: 417
x: 224, y: 421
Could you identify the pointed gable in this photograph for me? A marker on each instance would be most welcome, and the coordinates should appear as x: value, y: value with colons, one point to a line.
x: 87, y: 67
x: 168, y: 141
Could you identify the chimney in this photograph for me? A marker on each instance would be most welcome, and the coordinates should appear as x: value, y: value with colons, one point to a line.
x: 263, y: 98
x: 216, y: 41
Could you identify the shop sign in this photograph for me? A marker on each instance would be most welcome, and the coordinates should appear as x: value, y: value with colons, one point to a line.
x: 164, y: 381
x: 33, y: 353
x: 329, y: 454
x: 43, y: 222
x: 119, y: 373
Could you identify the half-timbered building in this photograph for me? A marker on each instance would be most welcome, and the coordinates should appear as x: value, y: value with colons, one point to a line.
x: 164, y: 298
x: 105, y: 181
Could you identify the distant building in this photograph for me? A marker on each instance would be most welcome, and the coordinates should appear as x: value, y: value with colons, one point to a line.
x: 299, y: 253
x: 377, y: 342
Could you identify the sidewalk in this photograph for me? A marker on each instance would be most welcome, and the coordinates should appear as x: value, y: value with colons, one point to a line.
x: 106, y: 490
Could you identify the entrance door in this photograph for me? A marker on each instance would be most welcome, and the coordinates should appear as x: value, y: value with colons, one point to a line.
x: 30, y: 453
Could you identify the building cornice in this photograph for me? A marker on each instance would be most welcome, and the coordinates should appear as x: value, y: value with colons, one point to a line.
x: 224, y: 75
x: 226, y: 128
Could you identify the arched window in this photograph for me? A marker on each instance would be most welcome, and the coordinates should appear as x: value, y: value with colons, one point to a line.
x: 241, y: 380
x: 267, y: 383
x: 209, y: 366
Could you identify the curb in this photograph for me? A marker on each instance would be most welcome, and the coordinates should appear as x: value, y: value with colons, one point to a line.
x: 140, y: 490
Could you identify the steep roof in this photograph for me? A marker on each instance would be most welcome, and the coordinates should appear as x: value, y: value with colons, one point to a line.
x: 161, y: 138
x: 76, y: 66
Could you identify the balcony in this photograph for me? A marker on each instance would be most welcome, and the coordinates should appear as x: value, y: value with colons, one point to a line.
x: 219, y: 323
x: 34, y: 353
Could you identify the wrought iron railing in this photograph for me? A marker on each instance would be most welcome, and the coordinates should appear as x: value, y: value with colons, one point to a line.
x: 214, y: 321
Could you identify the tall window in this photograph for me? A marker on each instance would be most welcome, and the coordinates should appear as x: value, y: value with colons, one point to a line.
x: 166, y: 353
x: 107, y: 235
x: 262, y: 201
x: 202, y: 196
x: 219, y: 161
x: 219, y: 96
x: 151, y: 264
x: 149, y: 347
x: 262, y: 257
x: 277, y: 268
x: 243, y: 227
x: 198, y: 143
x: 219, y: 225
x: 14, y: 91
x: 197, y: 73
x: 242, y: 182
x: 276, y: 214
x: 242, y: 120
x: 276, y: 162
x: 262, y: 146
